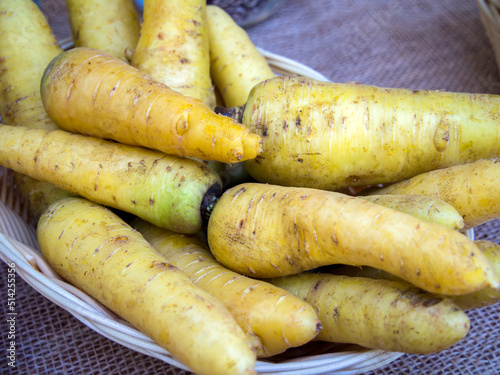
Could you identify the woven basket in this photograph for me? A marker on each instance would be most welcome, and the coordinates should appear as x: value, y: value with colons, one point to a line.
x: 490, y: 16
x: 18, y: 245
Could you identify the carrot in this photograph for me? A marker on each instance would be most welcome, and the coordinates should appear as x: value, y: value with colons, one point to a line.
x: 167, y: 190
x: 23, y: 58
x: 27, y: 45
x: 96, y: 251
x: 87, y: 91
x: 267, y: 231
x: 483, y: 297
x: 279, y: 319
x: 332, y: 135
x: 236, y: 64
x: 426, y: 208
x: 379, y: 314
x: 472, y: 188
x: 173, y: 47
x: 111, y: 26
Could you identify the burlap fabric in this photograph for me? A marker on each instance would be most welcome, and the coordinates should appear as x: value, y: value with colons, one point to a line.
x: 419, y: 44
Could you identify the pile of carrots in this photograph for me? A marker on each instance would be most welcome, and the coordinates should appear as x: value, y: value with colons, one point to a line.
x: 117, y: 145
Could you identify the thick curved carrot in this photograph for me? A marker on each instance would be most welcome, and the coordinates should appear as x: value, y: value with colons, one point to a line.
x: 173, y: 47
x: 95, y: 250
x: 279, y: 319
x: 335, y: 135
x: 267, y: 231
x: 87, y: 91
x: 169, y: 191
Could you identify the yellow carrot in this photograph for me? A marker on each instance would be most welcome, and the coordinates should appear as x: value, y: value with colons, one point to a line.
x: 268, y: 231
x: 380, y: 314
x: 472, y: 188
x: 236, y: 64
x: 332, y: 135
x: 27, y: 45
x: 483, y: 297
x: 87, y: 91
x: 173, y: 47
x: 426, y: 208
x: 99, y: 253
x: 169, y: 191
x: 111, y: 26
x: 279, y: 319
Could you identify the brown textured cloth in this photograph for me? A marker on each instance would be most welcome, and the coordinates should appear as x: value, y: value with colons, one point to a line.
x: 395, y: 43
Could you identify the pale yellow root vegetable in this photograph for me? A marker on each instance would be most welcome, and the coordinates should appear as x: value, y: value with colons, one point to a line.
x: 473, y: 189
x: 331, y: 135
x: 426, y: 208
x: 173, y: 47
x: 379, y: 314
x: 279, y: 319
x: 111, y: 26
x: 483, y: 297
x: 27, y: 45
x: 96, y: 251
x: 87, y: 91
x: 267, y: 231
x: 236, y: 64
x: 169, y: 191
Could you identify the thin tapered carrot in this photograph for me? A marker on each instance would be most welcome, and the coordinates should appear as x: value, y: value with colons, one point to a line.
x: 426, y: 208
x: 236, y: 64
x: 278, y: 318
x: 87, y: 91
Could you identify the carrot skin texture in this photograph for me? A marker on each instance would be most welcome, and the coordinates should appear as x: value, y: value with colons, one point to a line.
x: 87, y: 91
x: 483, y: 297
x: 379, y: 314
x: 426, y: 208
x: 99, y: 253
x: 332, y: 135
x: 173, y: 47
x: 236, y: 64
x: 111, y: 26
x: 472, y: 188
x: 267, y: 231
x: 27, y: 45
x: 279, y: 319
x: 164, y: 189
